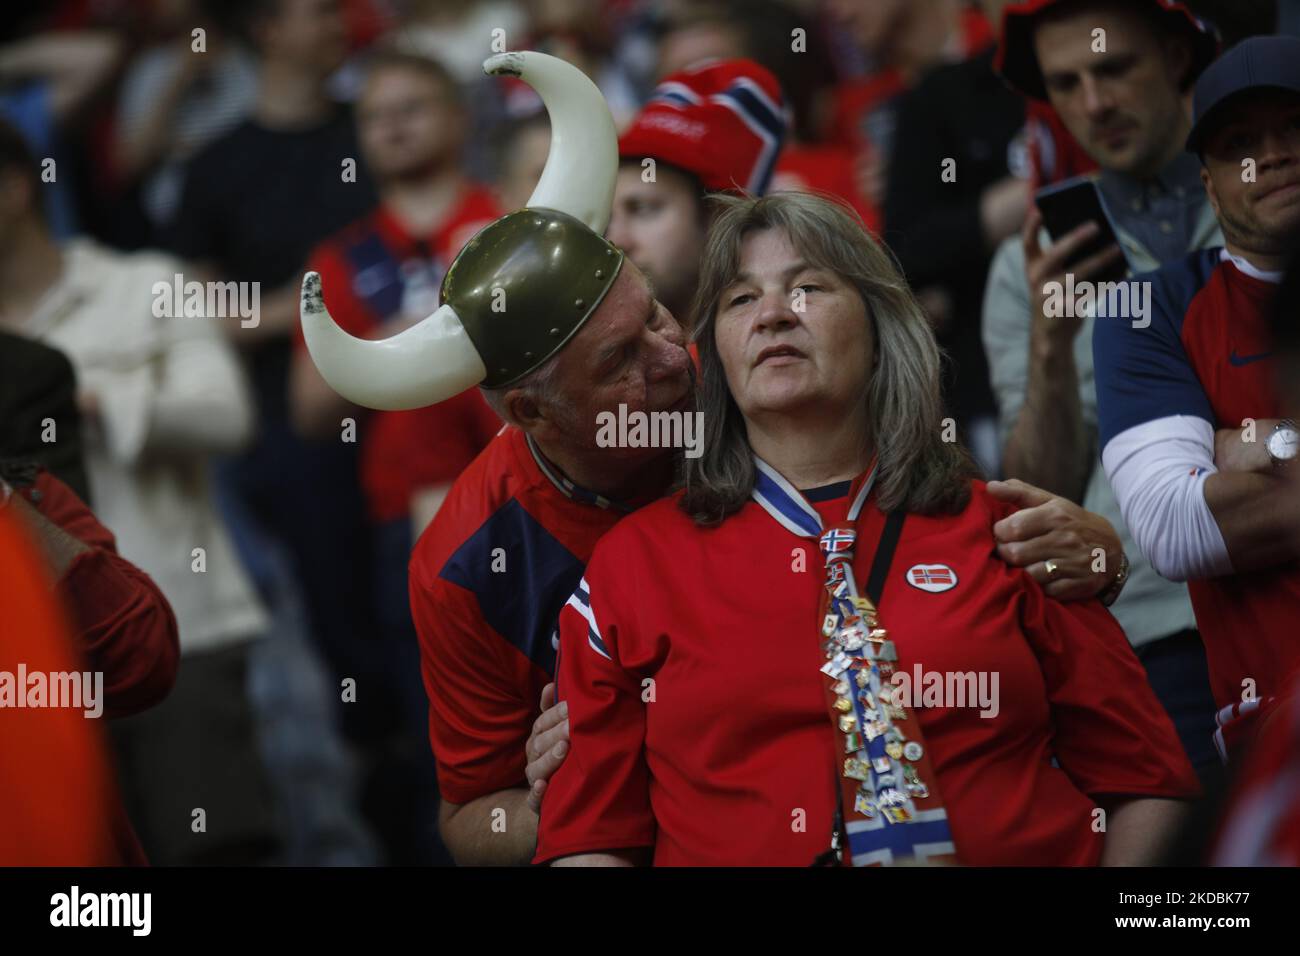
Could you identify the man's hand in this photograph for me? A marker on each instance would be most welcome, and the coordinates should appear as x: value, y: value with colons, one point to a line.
x: 1233, y: 453
x: 1043, y: 266
x: 1051, y: 528
x: 547, y: 745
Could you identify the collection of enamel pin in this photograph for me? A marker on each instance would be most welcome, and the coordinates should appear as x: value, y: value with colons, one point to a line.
x: 860, y: 660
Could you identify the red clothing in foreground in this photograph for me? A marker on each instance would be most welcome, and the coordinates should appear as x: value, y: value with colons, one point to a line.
x: 121, y: 621
x: 57, y: 779
x: 733, y: 760
x: 114, y: 621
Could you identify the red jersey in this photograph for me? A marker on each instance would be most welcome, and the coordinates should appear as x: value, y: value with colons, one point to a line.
x: 1207, y: 354
x: 375, y: 270
x: 53, y: 760
x: 488, y: 579
x: 690, y: 660
x: 120, y: 625
x: 1261, y: 823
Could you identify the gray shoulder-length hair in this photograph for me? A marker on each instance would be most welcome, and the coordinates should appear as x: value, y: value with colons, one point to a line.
x: 917, y: 470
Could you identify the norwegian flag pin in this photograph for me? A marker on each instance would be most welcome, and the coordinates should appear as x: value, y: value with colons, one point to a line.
x: 838, y: 540
x: 932, y: 577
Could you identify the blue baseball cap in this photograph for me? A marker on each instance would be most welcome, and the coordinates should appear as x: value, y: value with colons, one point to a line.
x: 1270, y: 62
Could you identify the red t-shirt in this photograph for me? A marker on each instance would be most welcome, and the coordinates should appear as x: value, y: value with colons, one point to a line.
x: 488, y: 579
x: 59, y: 804
x: 736, y: 746
x: 368, y: 271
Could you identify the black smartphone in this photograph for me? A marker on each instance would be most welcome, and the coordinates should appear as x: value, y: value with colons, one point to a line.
x: 1069, y: 204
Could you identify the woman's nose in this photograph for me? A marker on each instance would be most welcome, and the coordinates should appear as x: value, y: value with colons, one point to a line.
x: 774, y: 313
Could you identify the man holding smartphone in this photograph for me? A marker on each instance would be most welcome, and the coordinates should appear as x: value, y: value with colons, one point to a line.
x: 1118, y: 75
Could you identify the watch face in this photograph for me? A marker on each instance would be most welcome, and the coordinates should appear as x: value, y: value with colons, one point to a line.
x: 1284, y: 444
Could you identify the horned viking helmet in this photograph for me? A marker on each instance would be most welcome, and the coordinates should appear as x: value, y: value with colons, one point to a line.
x: 519, y: 290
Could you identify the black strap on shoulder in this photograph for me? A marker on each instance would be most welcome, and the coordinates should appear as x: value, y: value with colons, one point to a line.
x: 884, y: 555
x: 839, y: 838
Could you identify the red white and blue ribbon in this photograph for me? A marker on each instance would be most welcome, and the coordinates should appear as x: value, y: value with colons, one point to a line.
x: 895, y: 816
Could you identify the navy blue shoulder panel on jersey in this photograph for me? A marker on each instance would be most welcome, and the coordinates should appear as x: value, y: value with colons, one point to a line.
x: 521, y: 587
x: 1143, y: 371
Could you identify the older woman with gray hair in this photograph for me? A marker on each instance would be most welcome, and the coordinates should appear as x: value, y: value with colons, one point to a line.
x: 812, y: 652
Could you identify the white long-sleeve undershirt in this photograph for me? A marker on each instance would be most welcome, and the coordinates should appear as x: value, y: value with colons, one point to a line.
x: 1158, y: 472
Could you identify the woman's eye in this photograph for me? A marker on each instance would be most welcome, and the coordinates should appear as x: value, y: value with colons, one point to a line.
x: 809, y: 287
x: 739, y: 299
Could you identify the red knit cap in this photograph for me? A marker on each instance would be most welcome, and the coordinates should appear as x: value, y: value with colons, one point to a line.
x: 724, y: 122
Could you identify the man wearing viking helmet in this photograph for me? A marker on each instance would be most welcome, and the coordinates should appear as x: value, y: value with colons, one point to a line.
x: 555, y: 325
x: 509, y: 546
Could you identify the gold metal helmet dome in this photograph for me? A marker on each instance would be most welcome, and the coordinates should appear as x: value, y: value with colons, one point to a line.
x: 519, y: 290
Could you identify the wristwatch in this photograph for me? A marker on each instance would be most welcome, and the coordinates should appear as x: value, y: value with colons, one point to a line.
x: 1284, y: 443
x: 1111, y: 594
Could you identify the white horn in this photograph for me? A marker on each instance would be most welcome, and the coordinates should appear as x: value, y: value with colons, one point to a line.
x: 583, y: 161
x: 424, y: 365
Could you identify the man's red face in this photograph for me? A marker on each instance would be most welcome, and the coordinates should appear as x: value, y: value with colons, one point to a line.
x: 631, y: 352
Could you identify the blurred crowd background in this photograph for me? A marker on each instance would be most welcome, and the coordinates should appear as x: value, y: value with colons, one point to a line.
x: 298, y: 718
